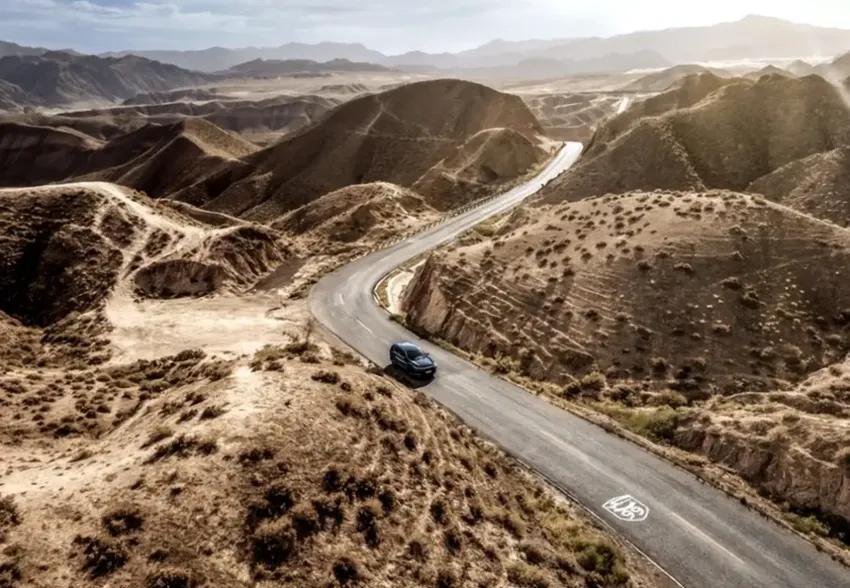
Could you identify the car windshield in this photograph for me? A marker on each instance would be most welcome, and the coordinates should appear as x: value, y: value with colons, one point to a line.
x: 414, y: 353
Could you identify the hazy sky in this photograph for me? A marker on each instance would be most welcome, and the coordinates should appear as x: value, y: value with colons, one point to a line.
x: 386, y: 25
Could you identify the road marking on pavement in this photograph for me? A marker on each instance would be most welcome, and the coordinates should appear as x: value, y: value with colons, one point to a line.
x: 627, y: 508
x: 339, y: 298
x: 697, y: 531
x: 362, y: 324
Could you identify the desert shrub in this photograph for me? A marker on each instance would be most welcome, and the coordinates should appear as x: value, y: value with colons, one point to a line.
x: 10, y: 515
x: 351, y: 406
x: 808, y: 525
x: 122, y: 520
x: 326, y: 377
x: 346, y: 571
x: 367, y: 522
x: 255, y: 454
x: 452, y: 539
x: 211, y: 412
x: 304, y: 520
x: 446, y: 578
x: 603, y: 558
x: 684, y: 267
x: 659, y: 365
x: 182, y: 447
x: 658, y: 424
x: 171, y: 578
x: 273, y: 543
x: 101, y: 557
x: 671, y: 398
x: 439, y: 511
x: 732, y: 283
x: 160, y: 433
x: 522, y: 574
x: 535, y: 552
x: 417, y: 547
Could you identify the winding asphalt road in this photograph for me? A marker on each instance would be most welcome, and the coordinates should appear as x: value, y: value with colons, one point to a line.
x: 699, y: 536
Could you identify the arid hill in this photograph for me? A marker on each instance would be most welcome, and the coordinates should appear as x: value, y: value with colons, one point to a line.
x: 770, y: 70
x: 154, y: 158
x: 262, y: 119
x: 800, y: 68
x: 691, y: 318
x: 663, y: 80
x: 729, y: 139
x: 396, y: 136
x: 57, y: 78
x: 365, y: 212
x: 281, y: 114
x: 620, y: 281
x: 818, y: 185
x: 684, y: 93
x: 177, y: 155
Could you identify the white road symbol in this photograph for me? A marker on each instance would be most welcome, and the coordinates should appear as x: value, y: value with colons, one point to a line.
x: 627, y: 508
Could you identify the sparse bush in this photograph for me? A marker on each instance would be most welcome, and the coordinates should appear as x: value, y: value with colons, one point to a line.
x: 659, y: 424
x: 603, y: 558
x: 808, y: 525
x: 10, y: 515
x: 273, y: 543
x: 101, y: 557
x: 122, y: 520
x: 160, y: 433
x: 171, y: 578
x: 211, y: 412
x: 351, y: 406
x: 326, y: 377
x: 452, y: 539
x: 304, y: 520
x: 659, y: 365
x: 346, y: 571
x: 446, y: 578
x: 182, y: 447
x: 417, y: 547
x: 439, y: 511
x: 536, y: 552
x: 684, y: 267
x: 672, y: 399
x: 527, y: 576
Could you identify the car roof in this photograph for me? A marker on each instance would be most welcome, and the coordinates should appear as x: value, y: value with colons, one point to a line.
x: 407, y: 345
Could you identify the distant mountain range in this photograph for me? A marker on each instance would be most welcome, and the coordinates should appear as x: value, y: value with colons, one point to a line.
x: 750, y: 37
x: 287, y: 67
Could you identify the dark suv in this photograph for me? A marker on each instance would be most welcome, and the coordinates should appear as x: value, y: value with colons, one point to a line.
x: 410, y: 359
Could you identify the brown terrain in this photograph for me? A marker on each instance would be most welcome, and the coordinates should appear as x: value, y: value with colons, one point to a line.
x: 154, y: 436
x: 449, y: 140
x: 687, y: 280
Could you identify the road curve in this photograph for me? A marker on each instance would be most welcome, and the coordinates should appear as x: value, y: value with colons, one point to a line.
x: 696, y: 533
